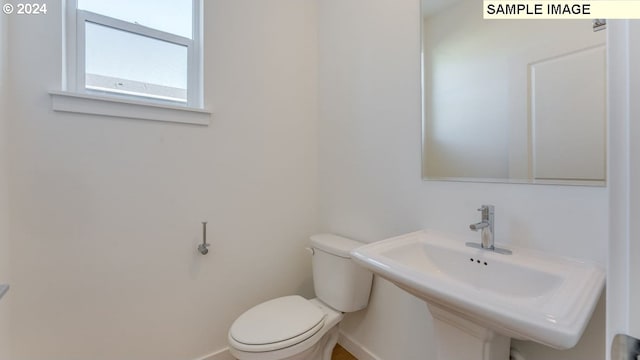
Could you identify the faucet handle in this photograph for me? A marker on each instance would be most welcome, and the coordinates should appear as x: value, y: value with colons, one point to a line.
x: 487, y: 213
x: 486, y: 208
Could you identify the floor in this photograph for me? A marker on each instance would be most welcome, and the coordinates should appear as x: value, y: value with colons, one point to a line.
x: 339, y: 353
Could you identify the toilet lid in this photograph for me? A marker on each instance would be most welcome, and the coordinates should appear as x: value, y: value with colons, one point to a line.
x: 289, y: 319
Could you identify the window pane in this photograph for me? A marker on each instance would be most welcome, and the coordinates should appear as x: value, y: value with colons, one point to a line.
x: 172, y: 16
x: 122, y: 62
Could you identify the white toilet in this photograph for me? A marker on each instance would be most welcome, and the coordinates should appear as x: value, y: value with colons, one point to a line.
x: 294, y: 328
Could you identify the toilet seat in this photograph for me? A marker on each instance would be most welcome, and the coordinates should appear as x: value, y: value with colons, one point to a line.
x: 276, y: 324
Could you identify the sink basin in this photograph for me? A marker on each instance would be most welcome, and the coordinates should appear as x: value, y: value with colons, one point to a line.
x: 527, y: 295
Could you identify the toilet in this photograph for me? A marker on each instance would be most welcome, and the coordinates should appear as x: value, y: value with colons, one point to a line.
x: 295, y: 328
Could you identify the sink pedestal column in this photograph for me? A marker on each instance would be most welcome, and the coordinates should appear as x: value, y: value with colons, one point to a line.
x: 459, y: 338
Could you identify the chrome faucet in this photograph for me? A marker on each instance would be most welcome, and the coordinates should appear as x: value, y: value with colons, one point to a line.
x: 486, y: 226
x: 486, y: 233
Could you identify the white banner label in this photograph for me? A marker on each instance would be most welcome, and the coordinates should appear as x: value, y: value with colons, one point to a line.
x: 545, y: 9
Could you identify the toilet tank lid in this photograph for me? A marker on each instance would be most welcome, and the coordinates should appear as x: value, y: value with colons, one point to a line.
x: 334, y: 244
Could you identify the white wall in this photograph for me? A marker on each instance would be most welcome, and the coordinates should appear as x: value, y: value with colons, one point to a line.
x: 370, y: 177
x: 623, y: 312
x: 634, y: 190
x: 4, y: 195
x: 470, y: 140
x: 106, y: 212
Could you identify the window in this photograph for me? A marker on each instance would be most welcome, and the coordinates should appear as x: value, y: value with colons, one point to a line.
x: 142, y: 50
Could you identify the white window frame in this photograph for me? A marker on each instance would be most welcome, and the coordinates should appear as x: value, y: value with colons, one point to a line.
x: 74, y: 72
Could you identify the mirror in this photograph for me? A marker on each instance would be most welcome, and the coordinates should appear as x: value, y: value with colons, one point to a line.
x: 518, y: 101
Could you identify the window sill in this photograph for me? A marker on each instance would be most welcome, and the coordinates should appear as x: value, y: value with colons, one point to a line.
x: 71, y: 102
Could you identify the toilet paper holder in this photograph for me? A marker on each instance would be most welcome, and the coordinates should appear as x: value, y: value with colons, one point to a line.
x: 203, y: 248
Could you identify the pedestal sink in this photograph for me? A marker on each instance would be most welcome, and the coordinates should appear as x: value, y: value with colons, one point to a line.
x: 480, y: 299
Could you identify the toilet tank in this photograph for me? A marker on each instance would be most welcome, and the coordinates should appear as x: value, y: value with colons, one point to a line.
x: 338, y: 281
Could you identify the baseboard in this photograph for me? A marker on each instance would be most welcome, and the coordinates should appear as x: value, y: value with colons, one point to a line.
x: 346, y: 341
x: 355, y: 348
x: 223, y: 354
